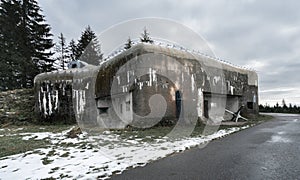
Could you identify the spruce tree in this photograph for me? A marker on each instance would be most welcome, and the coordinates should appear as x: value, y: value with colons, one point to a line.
x: 145, y: 36
x: 37, y: 38
x: 88, y: 48
x: 25, y: 43
x: 128, y: 44
x: 10, y: 57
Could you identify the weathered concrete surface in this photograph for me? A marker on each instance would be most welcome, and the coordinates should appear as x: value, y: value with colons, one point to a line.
x: 67, y: 96
x: 53, y: 94
x: 146, y: 70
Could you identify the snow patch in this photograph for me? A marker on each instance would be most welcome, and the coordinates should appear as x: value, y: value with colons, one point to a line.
x: 109, y: 153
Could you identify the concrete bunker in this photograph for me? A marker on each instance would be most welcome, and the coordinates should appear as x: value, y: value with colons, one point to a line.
x: 148, y: 84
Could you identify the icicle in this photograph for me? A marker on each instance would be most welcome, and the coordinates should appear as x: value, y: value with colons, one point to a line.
x: 128, y: 76
x: 82, y: 101
x: 39, y: 97
x: 154, y: 75
x: 118, y: 78
x: 45, y: 104
x: 49, y: 103
x: 231, y: 89
x: 150, y: 77
x: 78, y: 101
x: 56, y: 100
x: 193, y: 83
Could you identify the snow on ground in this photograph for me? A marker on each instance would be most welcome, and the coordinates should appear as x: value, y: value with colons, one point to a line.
x: 94, y: 156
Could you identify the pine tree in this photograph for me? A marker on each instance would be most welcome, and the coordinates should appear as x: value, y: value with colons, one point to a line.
x: 73, y: 52
x: 25, y: 43
x: 62, y: 49
x: 88, y: 48
x: 128, y: 44
x: 145, y: 37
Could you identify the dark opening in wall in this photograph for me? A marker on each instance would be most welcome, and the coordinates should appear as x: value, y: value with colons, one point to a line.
x: 250, y: 105
x: 206, y: 108
x: 103, y: 110
x: 178, y: 97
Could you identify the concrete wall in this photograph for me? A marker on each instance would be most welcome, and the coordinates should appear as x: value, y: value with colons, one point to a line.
x: 193, y: 75
x: 53, y: 94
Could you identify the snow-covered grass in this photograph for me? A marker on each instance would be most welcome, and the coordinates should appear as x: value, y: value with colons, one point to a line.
x: 95, y: 156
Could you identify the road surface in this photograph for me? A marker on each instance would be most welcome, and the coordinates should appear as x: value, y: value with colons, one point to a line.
x: 267, y: 151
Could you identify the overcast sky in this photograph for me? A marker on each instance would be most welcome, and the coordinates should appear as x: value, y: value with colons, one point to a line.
x: 262, y: 34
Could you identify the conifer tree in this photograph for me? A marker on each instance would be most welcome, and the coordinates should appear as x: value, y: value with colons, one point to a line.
x: 145, y: 36
x: 128, y: 44
x: 25, y: 43
x: 10, y: 58
x: 73, y: 53
x: 88, y: 48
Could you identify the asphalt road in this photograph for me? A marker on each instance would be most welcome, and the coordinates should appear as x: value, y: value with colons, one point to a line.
x: 267, y: 151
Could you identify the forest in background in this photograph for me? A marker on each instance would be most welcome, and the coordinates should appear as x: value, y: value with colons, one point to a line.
x: 283, y: 108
